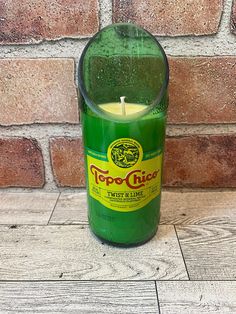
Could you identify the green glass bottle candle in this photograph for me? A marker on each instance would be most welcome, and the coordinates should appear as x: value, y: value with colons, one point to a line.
x: 123, y: 78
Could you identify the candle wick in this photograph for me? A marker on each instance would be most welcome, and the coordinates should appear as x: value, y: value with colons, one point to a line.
x: 122, y: 101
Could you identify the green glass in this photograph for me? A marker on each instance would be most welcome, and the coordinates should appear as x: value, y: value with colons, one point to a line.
x: 123, y: 60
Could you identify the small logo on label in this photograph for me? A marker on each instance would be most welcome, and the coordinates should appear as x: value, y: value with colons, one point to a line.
x: 125, y: 153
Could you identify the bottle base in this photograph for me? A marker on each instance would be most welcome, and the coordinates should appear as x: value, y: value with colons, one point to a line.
x: 123, y: 245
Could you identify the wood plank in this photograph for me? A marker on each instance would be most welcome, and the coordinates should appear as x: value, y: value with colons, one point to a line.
x: 176, y: 208
x: 209, y: 251
x: 189, y: 297
x: 26, y: 208
x: 71, y: 252
x: 71, y: 208
x: 198, y: 208
x: 78, y: 297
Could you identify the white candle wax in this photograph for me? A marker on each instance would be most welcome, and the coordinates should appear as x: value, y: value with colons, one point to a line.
x: 118, y: 108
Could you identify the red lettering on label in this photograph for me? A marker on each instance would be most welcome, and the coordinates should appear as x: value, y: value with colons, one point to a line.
x: 95, y: 173
x: 134, y: 179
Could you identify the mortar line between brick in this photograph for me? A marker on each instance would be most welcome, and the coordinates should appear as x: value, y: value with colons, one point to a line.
x: 222, y: 17
x: 105, y: 13
x: 181, y: 252
x: 59, y: 194
x: 170, y: 53
x: 99, y: 14
x: 54, y: 130
x: 49, y: 177
x: 224, y: 24
x: 192, y: 46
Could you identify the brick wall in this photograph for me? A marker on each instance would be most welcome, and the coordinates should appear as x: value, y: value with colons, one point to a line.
x: 40, y: 45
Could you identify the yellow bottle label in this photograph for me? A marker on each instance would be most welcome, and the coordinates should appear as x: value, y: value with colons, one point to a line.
x: 126, y: 178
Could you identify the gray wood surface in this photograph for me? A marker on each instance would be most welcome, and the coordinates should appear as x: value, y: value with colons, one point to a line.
x: 71, y: 208
x: 209, y: 251
x: 194, y: 297
x: 198, y: 208
x: 26, y: 208
x: 176, y: 208
x: 71, y: 252
x: 78, y: 297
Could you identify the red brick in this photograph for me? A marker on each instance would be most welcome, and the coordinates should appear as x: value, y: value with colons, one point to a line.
x: 67, y: 161
x: 27, y: 21
x: 176, y: 17
x: 21, y: 163
x: 200, y: 161
x: 233, y: 18
x: 202, y: 90
x: 37, y: 91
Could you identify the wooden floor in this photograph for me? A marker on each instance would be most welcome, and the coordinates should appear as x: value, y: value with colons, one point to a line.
x: 51, y: 263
